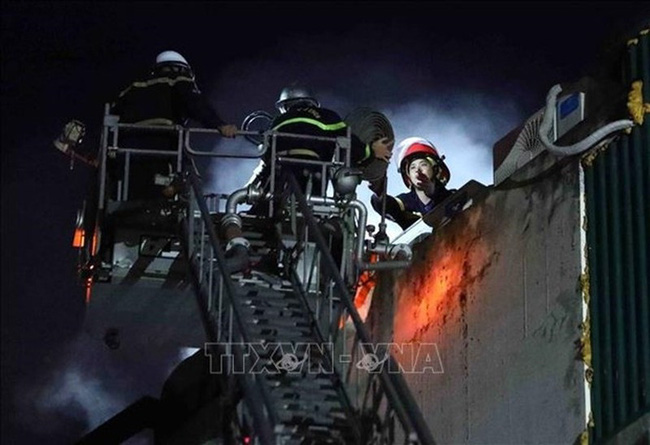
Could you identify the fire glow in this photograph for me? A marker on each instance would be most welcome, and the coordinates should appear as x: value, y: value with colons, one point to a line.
x: 429, y: 292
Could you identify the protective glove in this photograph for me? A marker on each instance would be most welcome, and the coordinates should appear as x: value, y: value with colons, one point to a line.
x: 426, y: 185
x: 228, y: 130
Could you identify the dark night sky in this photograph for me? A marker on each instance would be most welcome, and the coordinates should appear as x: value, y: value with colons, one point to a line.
x: 461, y: 74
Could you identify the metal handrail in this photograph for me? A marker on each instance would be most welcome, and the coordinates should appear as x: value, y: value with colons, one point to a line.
x: 188, y: 148
x: 111, y: 126
x: 313, y: 319
x: 264, y: 419
x: 266, y: 134
x: 393, y: 384
x: 214, y: 283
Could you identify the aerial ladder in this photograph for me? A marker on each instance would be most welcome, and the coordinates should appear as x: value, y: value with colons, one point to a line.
x: 274, y: 290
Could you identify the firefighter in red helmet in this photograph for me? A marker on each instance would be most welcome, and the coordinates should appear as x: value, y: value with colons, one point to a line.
x: 425, y: 173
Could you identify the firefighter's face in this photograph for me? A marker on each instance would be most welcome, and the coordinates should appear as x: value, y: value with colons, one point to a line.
x: 418, y: 170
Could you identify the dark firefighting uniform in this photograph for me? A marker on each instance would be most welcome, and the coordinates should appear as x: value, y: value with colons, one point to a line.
x: 311, y: 121
x: 163, y: 99
x: 406, y: 208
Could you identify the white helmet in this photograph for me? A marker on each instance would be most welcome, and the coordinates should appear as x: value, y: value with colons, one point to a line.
x: 171, y: 57
x: 171, y: 61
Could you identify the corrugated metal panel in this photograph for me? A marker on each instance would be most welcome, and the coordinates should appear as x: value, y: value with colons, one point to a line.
x: 617, y: 189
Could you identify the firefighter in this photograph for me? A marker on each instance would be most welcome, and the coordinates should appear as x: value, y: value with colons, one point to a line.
x: 301, y: 113
x: 168, y: 96
x: 425, y: 173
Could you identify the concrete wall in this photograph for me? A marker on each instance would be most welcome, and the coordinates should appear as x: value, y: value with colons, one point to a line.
x: 497, y: 290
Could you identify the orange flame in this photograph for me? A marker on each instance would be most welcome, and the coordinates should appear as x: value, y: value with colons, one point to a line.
x: 364, y: 291
x: 79, y: 238
x: 429, y: 292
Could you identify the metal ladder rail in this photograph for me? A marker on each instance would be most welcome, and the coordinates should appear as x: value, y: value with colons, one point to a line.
x: 331, y: 319
x: 336, y: 378
x: 393, y: 385
x: 295, y: 295
x: 309, y: 407
x: 372, y: 385
x: 397, y: 393
x: 263, y: 417
x: 317, y: 317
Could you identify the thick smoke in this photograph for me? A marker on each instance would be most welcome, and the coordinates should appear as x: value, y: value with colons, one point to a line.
x: 87, y: 384
x: 464, y: 139
x: 462, y: 123
x: 464, y: 132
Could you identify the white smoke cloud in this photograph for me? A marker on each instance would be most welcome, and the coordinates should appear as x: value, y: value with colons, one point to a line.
x: 464, y: 131
x: 74, y: 385
x: 462, y: 123
x: 87, y: 382
x: 69, y: 384
x: 464, y: 136
x: 463, y: 127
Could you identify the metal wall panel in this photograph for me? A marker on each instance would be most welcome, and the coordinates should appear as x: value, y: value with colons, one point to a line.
x: 616, y: 193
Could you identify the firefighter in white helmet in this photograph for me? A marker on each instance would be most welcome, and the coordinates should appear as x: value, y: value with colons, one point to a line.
x: 167, y: 96
x: 426, y: 175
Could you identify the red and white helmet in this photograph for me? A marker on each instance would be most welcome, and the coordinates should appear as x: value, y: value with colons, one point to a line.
x: 415, y: 148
